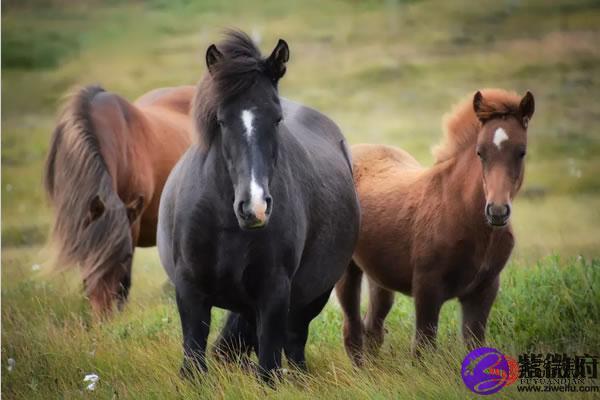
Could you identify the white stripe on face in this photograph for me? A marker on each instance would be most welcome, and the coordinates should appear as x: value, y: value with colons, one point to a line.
x: 257, y: 203
x: 499, y: 137
x: 248, y: 119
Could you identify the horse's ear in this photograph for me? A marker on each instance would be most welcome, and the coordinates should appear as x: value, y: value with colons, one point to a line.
x: 134, y: 209
x: 95, y: 211
x: 526, y: 108
x: 213, y: 56
x: 478, y: 104
x: 277, y: 60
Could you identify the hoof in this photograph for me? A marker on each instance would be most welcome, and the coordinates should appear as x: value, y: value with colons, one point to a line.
x: 190, y: 369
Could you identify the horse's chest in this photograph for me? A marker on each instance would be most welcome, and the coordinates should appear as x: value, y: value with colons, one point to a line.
x: 460, y: 263
x: 470, y: 263
x: 229, y: 265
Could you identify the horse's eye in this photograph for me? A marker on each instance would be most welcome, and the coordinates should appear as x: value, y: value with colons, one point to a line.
x: 220, y: 122
x: 479, y: 154
x: 522, y: 153
x: 278, y: 120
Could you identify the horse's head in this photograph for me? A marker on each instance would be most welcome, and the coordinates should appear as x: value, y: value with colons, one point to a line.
x: 115, y: 226
x: 248, y: 125
x: 501, y: 147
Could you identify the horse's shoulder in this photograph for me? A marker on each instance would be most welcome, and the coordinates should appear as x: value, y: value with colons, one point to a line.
x: 311, y: 119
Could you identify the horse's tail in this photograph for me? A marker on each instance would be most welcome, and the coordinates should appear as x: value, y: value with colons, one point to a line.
x: 90, y: 223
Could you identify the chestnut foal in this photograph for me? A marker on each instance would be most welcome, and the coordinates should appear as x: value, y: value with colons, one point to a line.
x: 437, y: 233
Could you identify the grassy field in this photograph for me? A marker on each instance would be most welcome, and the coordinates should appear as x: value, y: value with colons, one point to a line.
x: 386, y: 72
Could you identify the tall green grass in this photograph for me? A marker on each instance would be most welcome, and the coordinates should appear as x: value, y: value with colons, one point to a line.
x: 552, y: 306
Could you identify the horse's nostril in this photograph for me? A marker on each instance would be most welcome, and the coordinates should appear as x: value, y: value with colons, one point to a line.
x: 242, y: 209
x: 269, y: 201
x: 497, y: 214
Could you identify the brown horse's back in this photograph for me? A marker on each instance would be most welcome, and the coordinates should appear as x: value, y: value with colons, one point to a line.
x: 387, y: 181
x: 173, y: 98
x: 165, y: 118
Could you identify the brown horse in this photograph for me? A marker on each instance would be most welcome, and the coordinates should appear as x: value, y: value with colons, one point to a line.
x: 106, y: 167
x: 437, y: 233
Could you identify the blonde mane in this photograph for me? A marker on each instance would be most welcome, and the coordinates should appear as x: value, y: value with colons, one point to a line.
x: 462, y: 126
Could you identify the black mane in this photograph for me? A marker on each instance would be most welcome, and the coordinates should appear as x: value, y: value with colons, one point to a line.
x: 237, y: 72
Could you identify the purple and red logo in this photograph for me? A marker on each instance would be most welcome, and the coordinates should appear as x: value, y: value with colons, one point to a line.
x: 485, y: 370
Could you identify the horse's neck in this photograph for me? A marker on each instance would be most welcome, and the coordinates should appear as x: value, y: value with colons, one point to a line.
x: 462, y: 188
x: 123, y: 156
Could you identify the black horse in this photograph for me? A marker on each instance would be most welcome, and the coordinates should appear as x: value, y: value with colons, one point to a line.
x: 260, y: 217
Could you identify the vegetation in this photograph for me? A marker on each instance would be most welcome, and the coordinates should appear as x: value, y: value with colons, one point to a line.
x: 386, y: 72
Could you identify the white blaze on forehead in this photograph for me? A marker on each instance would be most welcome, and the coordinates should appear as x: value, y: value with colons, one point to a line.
x: 248, y: 119
x: 257, y: 201
x: 499, y: 137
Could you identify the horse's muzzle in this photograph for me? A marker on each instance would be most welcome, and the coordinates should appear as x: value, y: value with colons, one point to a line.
x: 254, y: 214
x: 497, y: 215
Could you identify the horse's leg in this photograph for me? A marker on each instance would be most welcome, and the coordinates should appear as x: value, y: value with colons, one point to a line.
x: 194, y: 312
x: 298, y: 330
x: 476, y: 308
x: 237, y: 338
x: 428, y: 303
x: 348, y: 293
x: 272, y: 319
x: 380, y: 304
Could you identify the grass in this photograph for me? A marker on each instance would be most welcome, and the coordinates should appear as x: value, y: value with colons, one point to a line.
x: 386, y: 72
x: 553, y: 305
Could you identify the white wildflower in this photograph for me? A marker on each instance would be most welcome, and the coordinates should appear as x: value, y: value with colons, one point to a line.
x: 11, y: 364
x: 92, y: 379
x: 36, y: 267
x: 574, y: 170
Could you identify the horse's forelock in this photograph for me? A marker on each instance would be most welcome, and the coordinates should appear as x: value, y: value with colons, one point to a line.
x: 462, y: 125
x: 241, y: 66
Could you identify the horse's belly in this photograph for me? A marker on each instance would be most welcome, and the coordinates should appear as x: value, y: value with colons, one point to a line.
x: 392, y: 274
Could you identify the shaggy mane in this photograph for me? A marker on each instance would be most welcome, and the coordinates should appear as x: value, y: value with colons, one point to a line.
x: 462, y: 126
x: 75, y: 172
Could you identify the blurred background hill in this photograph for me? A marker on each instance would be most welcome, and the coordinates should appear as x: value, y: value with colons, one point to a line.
x: 386, y: 71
